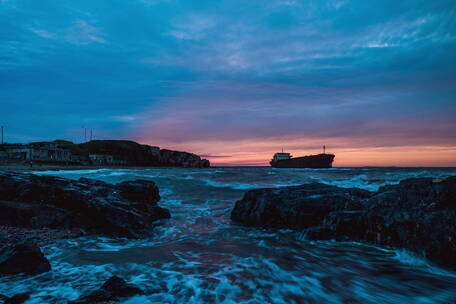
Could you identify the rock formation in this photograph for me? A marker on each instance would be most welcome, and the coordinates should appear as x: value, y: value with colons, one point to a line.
x: 417, y: 214
x: 130, y: 153
x: 16, y: 299
x: 24, y: 257
x: 113, y: 289
x: 294, y: 207
x: 127, y: 209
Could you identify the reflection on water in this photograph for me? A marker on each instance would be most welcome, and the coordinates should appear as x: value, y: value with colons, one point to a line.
x: 198, y: 256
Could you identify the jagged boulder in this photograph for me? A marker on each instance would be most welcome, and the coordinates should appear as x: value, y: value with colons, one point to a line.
x: 417, y: 214
x: 23, y: 257
x: 16, y: 299
x: 113, y: 289
x: 127, y: 209
x: 295, y: 207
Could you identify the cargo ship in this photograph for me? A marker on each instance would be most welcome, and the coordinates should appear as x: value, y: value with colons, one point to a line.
x: 286, y: 160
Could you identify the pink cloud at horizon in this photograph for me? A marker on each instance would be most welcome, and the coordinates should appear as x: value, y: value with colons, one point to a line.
x: 259, y: 153
x: 245, y: 124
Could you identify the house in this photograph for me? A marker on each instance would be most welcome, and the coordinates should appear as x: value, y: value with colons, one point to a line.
x: 49, y: 151
x: 101, y: 159
x: 106, y: 159
x: 3, y: 156
x: 38, y: 151
x: 17, y: 152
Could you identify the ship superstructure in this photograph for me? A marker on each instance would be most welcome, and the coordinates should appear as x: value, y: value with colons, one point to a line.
x: 286, y: 160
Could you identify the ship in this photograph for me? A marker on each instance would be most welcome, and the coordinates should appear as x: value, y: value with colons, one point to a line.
x: 286, y: 160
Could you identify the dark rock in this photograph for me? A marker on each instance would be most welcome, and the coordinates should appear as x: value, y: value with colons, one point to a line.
x: 346, y: 223
x: 24, y: 257
x: 17, y: 299
x: 417, y: 214
x: 119, y: 288
x: 295, y: 207
x: 113, y: 289
x: 127, y: 209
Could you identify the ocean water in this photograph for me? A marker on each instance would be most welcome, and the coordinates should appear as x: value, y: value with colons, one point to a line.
x: 199, y: 256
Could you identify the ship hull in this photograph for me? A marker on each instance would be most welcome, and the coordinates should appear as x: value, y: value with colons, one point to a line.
x: 311, y: 161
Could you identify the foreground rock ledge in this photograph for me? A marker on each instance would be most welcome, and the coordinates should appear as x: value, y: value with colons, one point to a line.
x: 417, y: 214
x: 112, y: 290
x: 127, y: 209
x: 24, y: 257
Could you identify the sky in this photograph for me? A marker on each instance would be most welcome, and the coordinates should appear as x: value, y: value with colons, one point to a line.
x: 235, y: 80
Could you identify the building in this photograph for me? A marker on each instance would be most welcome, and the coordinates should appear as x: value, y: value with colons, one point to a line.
x: 3, y: 156
x: 49, y: 151
x: 39, y: 151
x: 17, y: 152
x: 101, y: 159
x: 106, y: 159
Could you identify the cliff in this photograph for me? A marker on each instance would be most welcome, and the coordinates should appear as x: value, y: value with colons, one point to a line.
x: 130, y: 153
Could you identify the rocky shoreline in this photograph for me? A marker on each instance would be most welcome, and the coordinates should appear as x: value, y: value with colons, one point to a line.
x: 36, y: 210
x: 127, y: 209
x: 417, y: 214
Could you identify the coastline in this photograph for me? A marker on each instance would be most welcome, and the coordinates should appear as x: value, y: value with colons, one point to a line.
x: 40, y: 167
x: 27, y: 168
x: 200, y: 203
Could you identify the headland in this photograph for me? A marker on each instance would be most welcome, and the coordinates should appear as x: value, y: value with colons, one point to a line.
x: 58, y: 154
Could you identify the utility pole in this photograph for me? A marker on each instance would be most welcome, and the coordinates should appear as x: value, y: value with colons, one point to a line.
x: 90, y: 134
x: 2, y: 135
x: 85, y: 134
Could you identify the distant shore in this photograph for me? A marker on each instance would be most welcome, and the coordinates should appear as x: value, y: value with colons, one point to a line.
x: 19, y: 167
x: 48, y: 167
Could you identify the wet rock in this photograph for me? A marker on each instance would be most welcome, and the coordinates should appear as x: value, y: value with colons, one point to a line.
x: 340, y: 225
x: 112, y: 290
x: 41, y: 236
x: 295, y: 207
x: 417, y: 214
x: 17, y: 299
x: 126, y: 209
x: 119, y: 288
x: 24, y: 257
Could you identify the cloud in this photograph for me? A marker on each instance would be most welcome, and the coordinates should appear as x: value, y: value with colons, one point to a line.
x: 43, y: 33
x: 83, y: 33
x: 192, y: 27
x: 236, y: 80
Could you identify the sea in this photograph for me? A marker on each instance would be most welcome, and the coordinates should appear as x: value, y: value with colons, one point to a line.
x: 200, y: 256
